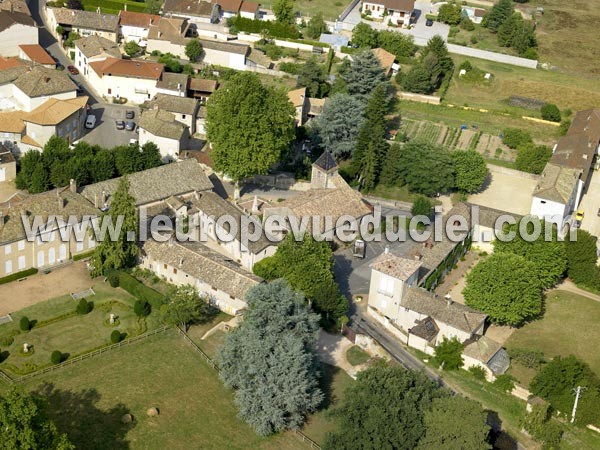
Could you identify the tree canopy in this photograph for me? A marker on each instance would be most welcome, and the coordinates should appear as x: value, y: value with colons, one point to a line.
x: 249, y: 126
x: 271, y: 359
x: 450, y: 13
x: 435, y: 65
x: 426, y: 168
x: 449, y: 354
x: 455, y: 423
x: 338, y: 127
x: 284, y: 11
x: 582, y: 259
x: 532, y: 158
x: 316, y: 26
x: 548, y: 256
x: 185, y: 306
x: 132, y: 48
x: 24, y: 424
x: 121, y: 252
x: 363, y: 75
x: 504, y: 286
x: 363, y: 35
x: 193, y: 50
x: 514, y: 137
x: 470, y: 170
x: 312, y: 75
x: 384, y: 408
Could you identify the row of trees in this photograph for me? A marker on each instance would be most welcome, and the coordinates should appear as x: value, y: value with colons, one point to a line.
x: 434, y: 67
x: 511, y: 29
x: 85, y: 163
x: 399, y: 44
x: 307, y: 265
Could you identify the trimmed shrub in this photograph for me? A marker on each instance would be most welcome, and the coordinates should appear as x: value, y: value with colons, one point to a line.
x: 83, y: 307
x: 478, y: 372
x: 113, y: 279
x: 505, y: 382
x: 141, y: 308
x: 513, y: 137
x: 24, y: 324
x: 18, y: 275
x: 115, y: 336
x: 56, y: 357
x: 551, y: 112
x: 140, y: 290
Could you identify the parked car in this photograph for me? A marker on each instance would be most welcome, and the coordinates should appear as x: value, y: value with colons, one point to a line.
x: 579, y: 217
x: 90, y: 121
x: 120, y: 125
x: 129, y: 125
x: 73, y: 70
x: 429, y: 23
x: 129, y: 114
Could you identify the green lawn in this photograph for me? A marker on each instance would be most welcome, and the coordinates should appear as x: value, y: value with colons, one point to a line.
x: 569, y: 326
x: 58, y: 327
x: 331, y: 9
x: 357, y: 356
x: 113, y: 6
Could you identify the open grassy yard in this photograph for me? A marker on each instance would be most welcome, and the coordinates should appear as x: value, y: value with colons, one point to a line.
x: 357, y: 356
x: 58, y: 327
x: 113, y: 6
x: 331, y: 9
x: 566, y: 90
x: 569, y: 326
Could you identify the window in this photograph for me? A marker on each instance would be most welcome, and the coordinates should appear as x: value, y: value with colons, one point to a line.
x: 109, y: 90
x: 79, y: 246
x: 8, y: 267
x: 164, y: 266
x: 7, y: 249
x: 21, y: 262
x: 21, y: 245
x: 386, y: 285
x: 174, y: 270
x: 543, y: 202
x: 183, y: 116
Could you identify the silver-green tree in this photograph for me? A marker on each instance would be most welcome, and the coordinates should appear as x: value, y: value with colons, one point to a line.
x: 271, y: 360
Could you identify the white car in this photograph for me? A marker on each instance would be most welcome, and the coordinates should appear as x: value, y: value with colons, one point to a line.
x: 90, y: 121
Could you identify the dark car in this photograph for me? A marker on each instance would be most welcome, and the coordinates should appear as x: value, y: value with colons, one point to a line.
x: 73, y: 70
x: 429, y: 23
x: 129, y: 115
x: 120, y: 125
x: 129, y: 125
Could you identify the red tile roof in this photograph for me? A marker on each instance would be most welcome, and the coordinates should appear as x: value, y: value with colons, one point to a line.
x: 137, y: 19
x: 230, y: 5
x: 250, y: 7
x: 128, y: 68
x: 36, y: 53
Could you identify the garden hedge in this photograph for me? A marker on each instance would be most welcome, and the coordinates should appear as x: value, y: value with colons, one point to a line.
x: 18, y: 275
x: 140, y: 290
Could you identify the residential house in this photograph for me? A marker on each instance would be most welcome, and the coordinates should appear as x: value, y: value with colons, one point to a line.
x: 315, y: 107
x: 135, y: 26
x: 84, y: 23
x: 298, y: 98
x: 202, y: 89
x: 173, y: 84
x: 34, y: 87
x: 395, y: 12
x: 19, y: 6
x: 132, y: 79
x: 10, y: 70
x: 215, y: 276
x: 328, y: 199
x: 565, y: 177
x: 250, y: 10
x: 168, y: 35
x: 12, y: 129
x: 185, y: 110
x: 474, y: 14
x: 228, y: 8
x: 36, y: 54
x: 387, y: 61
x: 210, y: 208
x: 8, y: 165
x: 196, y: 11
x: 225, y: 54
x: 421, y: 319
x: 201, y: 122
x: 92, y: 49
x: 16, y: 28
x: 162, y: 128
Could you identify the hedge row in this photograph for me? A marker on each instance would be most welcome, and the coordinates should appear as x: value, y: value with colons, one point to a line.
x: 140, y: 291
x: 84, y: 255
x: 274, y: 29
x: 18, y: 275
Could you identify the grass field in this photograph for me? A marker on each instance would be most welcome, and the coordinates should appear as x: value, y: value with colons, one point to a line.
x: 331, y: 9
x: 113, y: 6
x: 58, y: 327
x: 569, y: 326
x: 357, y: 356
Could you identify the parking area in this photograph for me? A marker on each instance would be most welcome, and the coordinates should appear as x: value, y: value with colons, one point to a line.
x: 105, y: 133
x: 590, y: 204
x: 506, y: 192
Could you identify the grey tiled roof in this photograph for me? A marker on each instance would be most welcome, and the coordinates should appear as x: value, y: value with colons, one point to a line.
x: 156, y: 184
x: 202, y: 263
x: 10, y: 18
x: 395, y: 266
x: 557, y: 183
x: 94, y: 45
x: 454, y: 314
x: 173, y: 81
x: 326, y: 162
x: 41, y: 81
x: 90, y: 20
x: 11, y: 74
x: 162, y: 123
x: 174, y: 103
x: 213, y: 205
x: 228, y: 47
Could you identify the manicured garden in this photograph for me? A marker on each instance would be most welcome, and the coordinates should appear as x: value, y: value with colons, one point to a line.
x: 70, y: 327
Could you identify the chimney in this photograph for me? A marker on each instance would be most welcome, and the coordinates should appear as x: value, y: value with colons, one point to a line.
x: 255, y: 204
x: 386, y: 250
x: 125, y: 6
x: 61, y: 201
x: 159, y: 34
x: 449, y: 301
x: 197, y: 195
x: 98, y: 10
x: 103, y: 197
x: 95, y: 200
x: 417, y: 257
x: 180, y: 261
x: 73, y: 186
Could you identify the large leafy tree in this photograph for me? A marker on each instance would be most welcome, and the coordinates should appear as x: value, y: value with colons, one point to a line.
x: 506, y: 288
x: 185, y: 306
x: 557, y: 379
x: 312, y: 76
x: 24, y: 424
x: 455, y: 423
x: 385, y: 408
x: 470, y: 170
x: 581, y: 251
x: 532, y: 158
x: 363, y: 75
x: 399, y: 44
x: 363, y: 35
x: 449, y: 354
x: 338, y: 127
x: 308, y: 266
x: 122, y: 251
x: 270, y: 359
x: 284, y: 11
x: 450, y: 13
x: 249, y: 126
x: 426, y: 168
x: 316, y: 26
x: 548, y: 256
x: 499, y: 13
x: 193, y: 50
